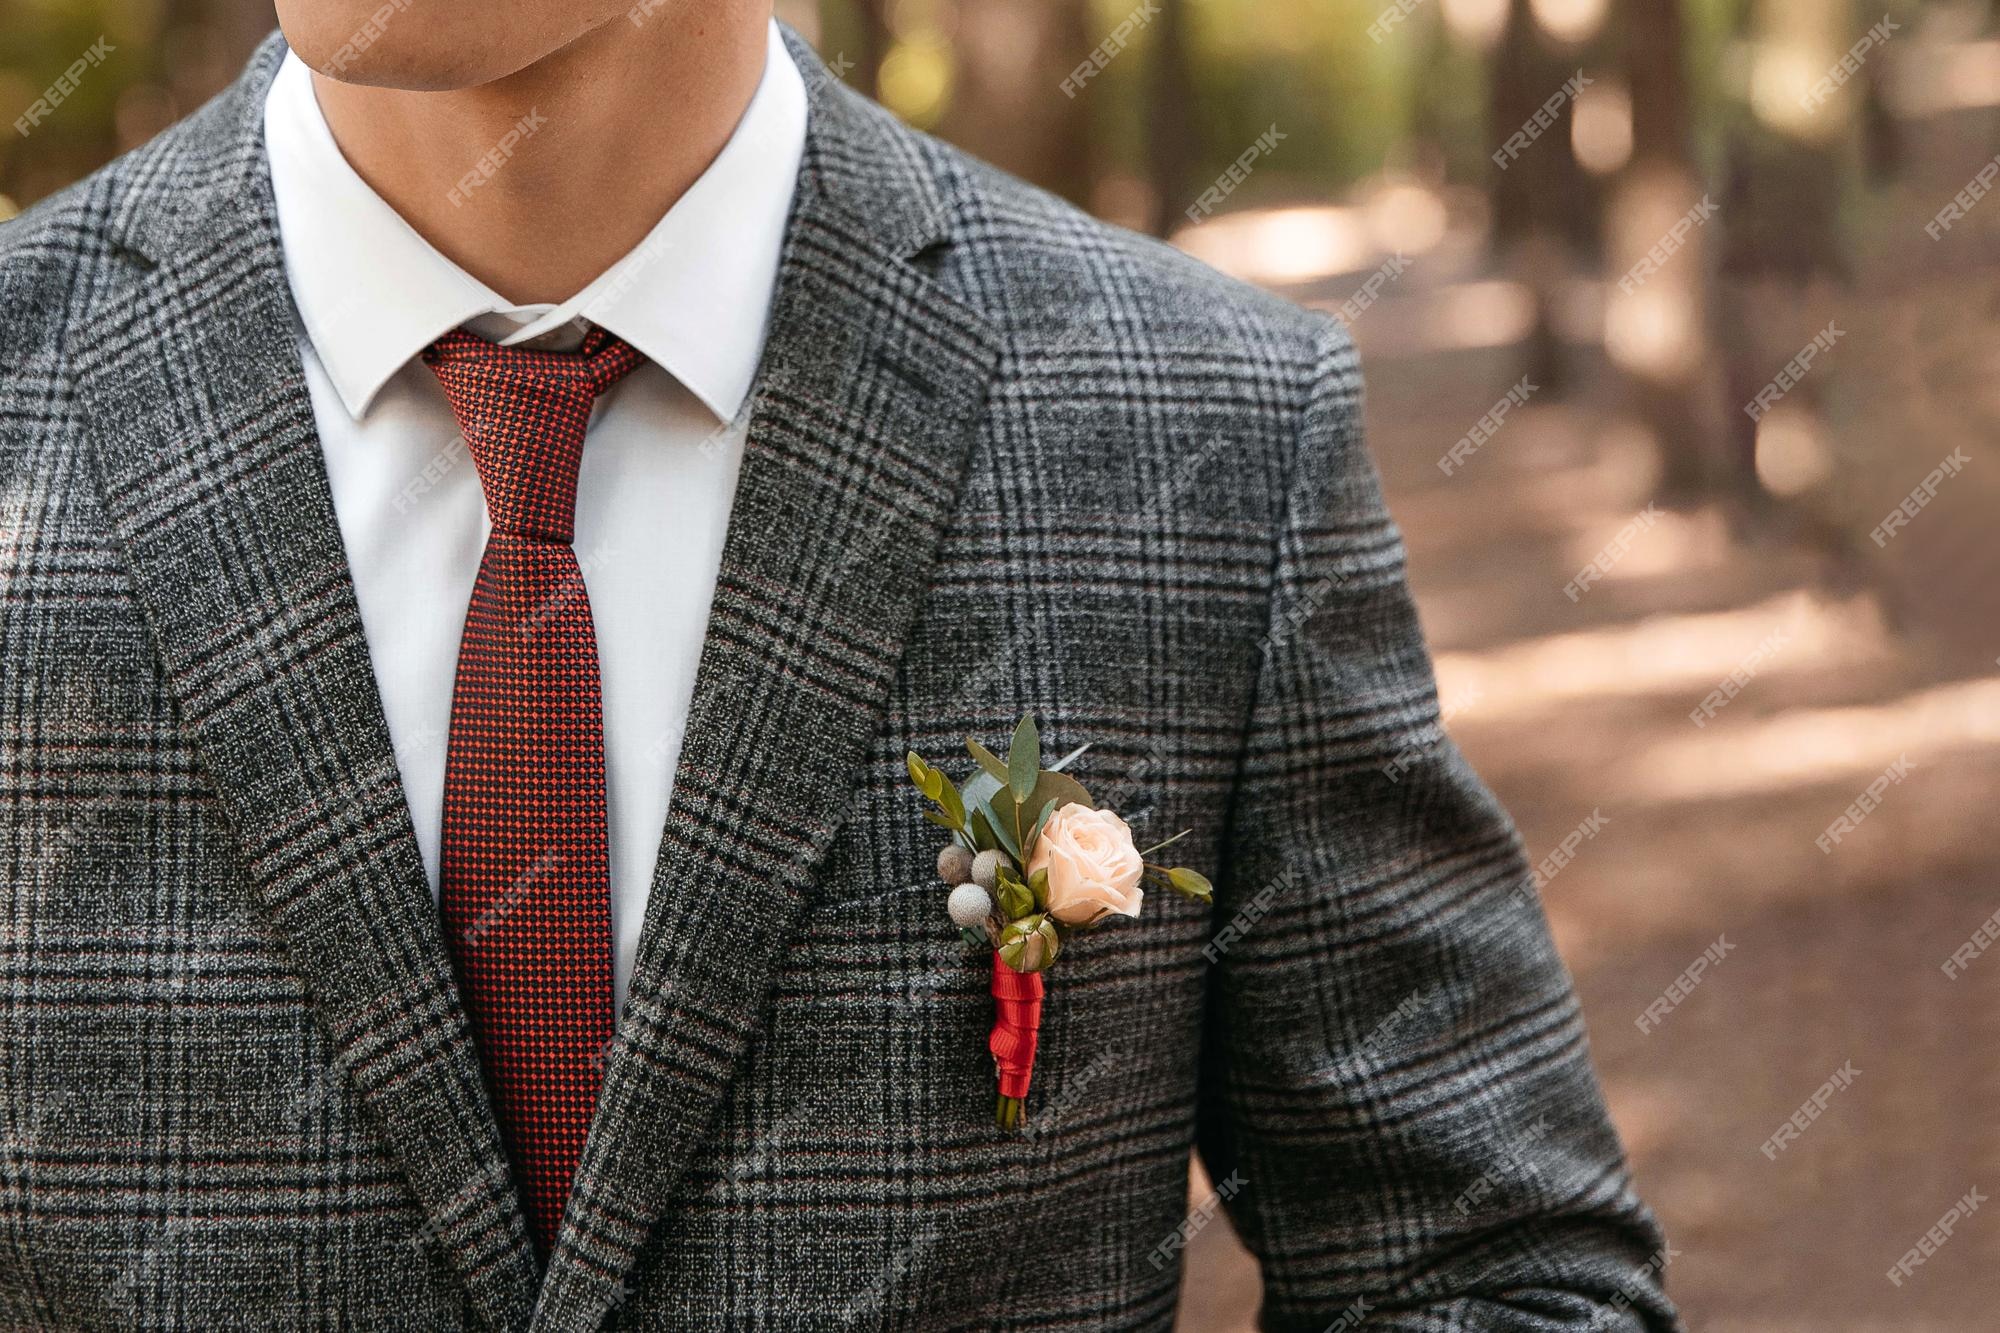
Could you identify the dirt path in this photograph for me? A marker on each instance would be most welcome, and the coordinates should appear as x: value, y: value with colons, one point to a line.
x: 1833, y: 958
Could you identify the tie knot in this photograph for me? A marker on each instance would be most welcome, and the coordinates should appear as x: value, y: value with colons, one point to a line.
x: 523, y: 414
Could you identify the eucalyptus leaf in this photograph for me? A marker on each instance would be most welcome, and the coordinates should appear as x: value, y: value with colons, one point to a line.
x: 1060, y: 788
x: 954, y: 808
x: 983, y: 838
x: 985, y: 793
x: 1024, y: 759
x: 1035, y: 833
x: 986, y: 759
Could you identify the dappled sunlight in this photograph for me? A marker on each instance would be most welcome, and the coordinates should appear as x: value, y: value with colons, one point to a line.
x: 1801, y: 747
x: 1491, y: 312
x: 1283, y: 245
x: 1796, y: 632
x: 1656, y: 543
x: 1287, y: 246
x: 1959, y: 76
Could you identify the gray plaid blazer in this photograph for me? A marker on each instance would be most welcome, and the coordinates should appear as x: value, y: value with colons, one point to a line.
x: 1001, y: 458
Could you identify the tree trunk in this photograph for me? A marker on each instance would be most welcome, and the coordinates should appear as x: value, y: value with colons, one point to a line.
x: 1007, y: 102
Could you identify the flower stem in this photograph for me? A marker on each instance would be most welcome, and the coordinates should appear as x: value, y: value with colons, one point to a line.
x: 1007, y: 1113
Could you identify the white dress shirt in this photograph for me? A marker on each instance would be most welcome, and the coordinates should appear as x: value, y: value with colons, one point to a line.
x: 659, y: 463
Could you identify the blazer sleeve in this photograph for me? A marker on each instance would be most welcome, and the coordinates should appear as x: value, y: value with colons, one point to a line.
x: 1396, y: 1094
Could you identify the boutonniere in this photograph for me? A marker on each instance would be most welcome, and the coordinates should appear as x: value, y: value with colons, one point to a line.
x: 1031, y: 861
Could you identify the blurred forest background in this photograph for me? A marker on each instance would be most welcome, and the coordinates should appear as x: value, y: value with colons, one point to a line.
x: 1576, y: 240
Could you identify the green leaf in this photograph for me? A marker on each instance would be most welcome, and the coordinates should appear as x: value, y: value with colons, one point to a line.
x: 986, y: 758
x: 981, y: 792
x: 1191, y: 882
x: 1035, y: 833
x: 1059, y: 788
x: 939, y: 818
x: 1024, y: 759
x: 983, y: 838
x: 1038, y: 885
x: 915, y: 763
x: 953, y: 807
x: 1016, y: 899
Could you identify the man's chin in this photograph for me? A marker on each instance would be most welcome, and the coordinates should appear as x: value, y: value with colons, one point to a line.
x: 405, y: 44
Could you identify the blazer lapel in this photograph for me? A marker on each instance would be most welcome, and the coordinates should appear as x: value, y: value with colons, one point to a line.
x: 212, y: 477
x: 872, y: 388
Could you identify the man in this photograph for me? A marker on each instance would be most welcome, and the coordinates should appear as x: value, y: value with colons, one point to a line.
x: 349, y: 978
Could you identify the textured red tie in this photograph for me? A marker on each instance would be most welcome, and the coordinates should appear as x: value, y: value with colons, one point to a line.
x: 526, y: 867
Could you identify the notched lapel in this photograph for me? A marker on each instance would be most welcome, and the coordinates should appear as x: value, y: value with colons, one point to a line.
x: 872, y: 389
x: 211, y: 474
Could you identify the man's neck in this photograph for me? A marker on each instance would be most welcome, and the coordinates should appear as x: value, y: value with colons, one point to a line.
x: 538, y: 182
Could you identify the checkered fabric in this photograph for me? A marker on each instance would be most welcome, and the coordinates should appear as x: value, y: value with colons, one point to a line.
x: 999, y: 457
x: 526, y: 874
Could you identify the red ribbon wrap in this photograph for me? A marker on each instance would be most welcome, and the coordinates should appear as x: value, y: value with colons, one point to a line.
x: 1017, y: 1021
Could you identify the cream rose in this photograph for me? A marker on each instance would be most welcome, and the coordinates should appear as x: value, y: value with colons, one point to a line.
x: 1093, y: 866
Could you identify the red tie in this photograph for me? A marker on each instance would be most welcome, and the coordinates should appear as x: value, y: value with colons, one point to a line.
x: 526, y: 869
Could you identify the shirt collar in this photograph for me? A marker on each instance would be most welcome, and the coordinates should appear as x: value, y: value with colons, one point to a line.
x: 694, y: 296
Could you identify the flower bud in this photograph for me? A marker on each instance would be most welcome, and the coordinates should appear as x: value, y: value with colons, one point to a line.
x: 954, y: 864
x: 969, y: 906
x: 986, y: 869
x: 1029, y: 944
